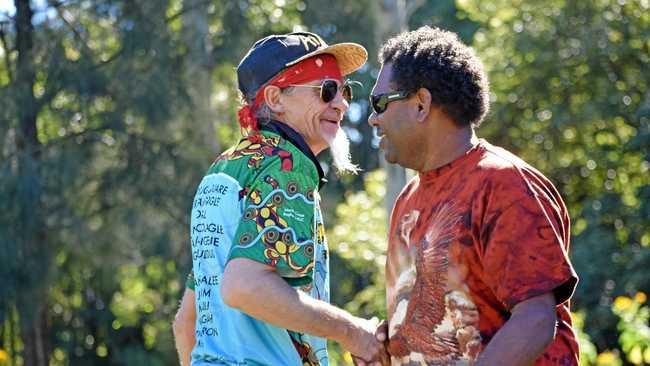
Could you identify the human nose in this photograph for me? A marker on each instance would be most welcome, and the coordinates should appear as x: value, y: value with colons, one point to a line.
x: 373, y: 119
x: 339, y: 102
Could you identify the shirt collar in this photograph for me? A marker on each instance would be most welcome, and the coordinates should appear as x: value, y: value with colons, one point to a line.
x: 298, y: 141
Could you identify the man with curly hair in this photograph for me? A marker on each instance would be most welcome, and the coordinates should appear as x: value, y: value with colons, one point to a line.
x: 477, y: 270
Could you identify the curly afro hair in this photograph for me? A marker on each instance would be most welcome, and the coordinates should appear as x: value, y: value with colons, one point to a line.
x: 437, y: 60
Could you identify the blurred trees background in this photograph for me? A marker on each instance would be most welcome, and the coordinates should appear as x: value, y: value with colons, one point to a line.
x: 111, y: 110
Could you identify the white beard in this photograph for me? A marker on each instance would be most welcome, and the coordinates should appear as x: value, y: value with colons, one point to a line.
x: 340, y: 150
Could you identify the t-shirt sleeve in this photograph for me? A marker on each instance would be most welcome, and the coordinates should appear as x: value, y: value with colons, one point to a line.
x: 525, y: 238
x: 277, y: 225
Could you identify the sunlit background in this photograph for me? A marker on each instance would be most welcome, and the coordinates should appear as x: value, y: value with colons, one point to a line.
x: 111, y: 111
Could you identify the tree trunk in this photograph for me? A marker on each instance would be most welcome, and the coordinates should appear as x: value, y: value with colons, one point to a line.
x: 35, y: 339
x: 33, y: 249
x: 393, y: 19
x: 198, y: 70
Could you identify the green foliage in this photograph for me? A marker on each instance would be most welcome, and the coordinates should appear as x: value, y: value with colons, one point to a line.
x: 444, y: 14
x: 146, y: 300
x: 358, y: 245
x: 588, y: 351
x: 358, y: 253
x: 634, y: 331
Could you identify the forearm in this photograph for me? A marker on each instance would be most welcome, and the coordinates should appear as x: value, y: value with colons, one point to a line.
x: 184, y: 344
x: 523, y: 338
x: 183, y: 328
x: 261, y: 293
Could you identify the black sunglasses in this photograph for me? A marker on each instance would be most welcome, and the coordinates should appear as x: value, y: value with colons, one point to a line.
x: 379, y: 102
x: 329, y: 88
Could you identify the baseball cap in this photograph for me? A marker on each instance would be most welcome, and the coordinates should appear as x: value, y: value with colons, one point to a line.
x: 272, y: 54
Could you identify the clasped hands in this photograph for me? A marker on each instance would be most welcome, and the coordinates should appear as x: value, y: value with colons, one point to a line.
x: 368, y: 342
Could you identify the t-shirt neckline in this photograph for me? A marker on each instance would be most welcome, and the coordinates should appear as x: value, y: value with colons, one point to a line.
x: 452, y: 165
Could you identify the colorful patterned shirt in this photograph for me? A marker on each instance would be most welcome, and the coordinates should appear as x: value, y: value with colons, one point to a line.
x: 259, y: 200
x: 468, y: 241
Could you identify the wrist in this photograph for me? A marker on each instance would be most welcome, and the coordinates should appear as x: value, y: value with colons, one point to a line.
x: 348, y: 330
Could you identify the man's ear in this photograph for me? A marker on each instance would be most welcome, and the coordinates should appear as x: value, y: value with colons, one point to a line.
x: 423, y: 98
x: 272, y: 98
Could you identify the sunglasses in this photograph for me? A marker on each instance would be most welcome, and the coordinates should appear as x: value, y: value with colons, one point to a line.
x: 379, y: 102
x: 329, y: 88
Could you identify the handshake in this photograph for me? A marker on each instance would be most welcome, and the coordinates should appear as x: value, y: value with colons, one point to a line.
x: 367, y: 340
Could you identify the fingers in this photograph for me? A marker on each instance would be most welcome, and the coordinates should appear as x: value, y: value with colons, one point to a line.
x: 368, y: 348
x: 384, y: 358
x: 376, y: 353
x: 359, y: 362
x: 382, y: 331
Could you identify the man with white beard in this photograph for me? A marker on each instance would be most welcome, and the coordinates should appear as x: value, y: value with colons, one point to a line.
x: 259, y: 294
x: 340, y: 150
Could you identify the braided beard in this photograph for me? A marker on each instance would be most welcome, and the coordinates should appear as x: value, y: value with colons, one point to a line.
x: 340, y: 150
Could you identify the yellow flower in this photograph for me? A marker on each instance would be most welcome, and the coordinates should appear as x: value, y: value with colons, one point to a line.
x: 646, y: 355
x: 606, y: 358
x: 640, y: 297
x: 622, y: 303
x: 4, y: 357
x: 635, y: 356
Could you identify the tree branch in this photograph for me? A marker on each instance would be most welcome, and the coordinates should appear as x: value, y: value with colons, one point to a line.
x: 60, y: 11
x: 110, y: 59
x: 59, y: 6
x: 44, y: 146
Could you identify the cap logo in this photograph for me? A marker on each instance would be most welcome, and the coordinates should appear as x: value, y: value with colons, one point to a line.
x: 310, y: 40
x: 290, y: 41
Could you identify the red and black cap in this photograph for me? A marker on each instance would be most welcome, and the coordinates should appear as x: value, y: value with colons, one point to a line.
x: 272, y: 54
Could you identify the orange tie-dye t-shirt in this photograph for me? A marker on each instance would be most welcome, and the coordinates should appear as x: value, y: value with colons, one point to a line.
x: 468, y: 241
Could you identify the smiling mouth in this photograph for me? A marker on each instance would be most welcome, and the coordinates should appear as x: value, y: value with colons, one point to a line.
x: 330, y: 121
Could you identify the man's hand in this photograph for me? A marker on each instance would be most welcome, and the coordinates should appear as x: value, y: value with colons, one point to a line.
x: 370, y: 341
x: 183, y: 327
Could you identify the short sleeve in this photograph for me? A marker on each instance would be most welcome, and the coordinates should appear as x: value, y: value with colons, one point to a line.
x: 525, y: 242
x: 277, y: 225
x: 189, y: 282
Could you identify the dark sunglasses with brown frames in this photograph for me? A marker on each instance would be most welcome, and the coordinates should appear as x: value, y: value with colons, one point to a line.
x: 329, y: 88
